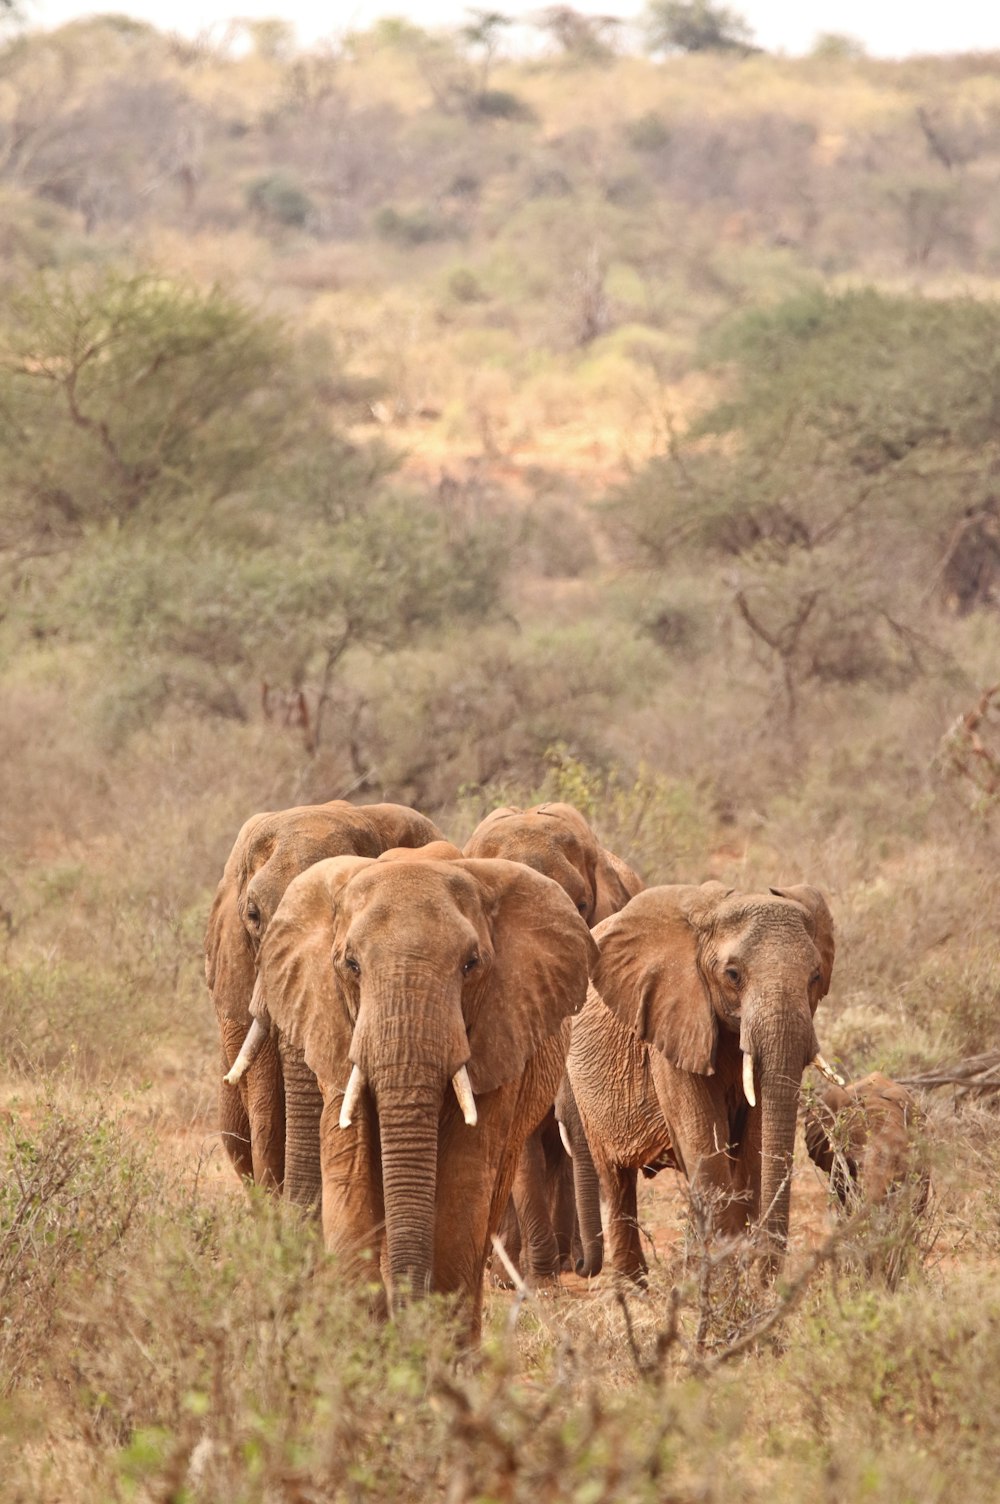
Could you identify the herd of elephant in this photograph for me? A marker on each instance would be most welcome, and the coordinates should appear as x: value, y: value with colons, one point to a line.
x: 411, y: 1033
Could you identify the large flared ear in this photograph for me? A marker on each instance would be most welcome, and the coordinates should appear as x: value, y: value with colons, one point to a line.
x: 297, y: 987
x: 398, y: 825
x: 649, y: 975
x: 614, y: 884
x: 537, y: 977
x: 229, y: 959
x: 820, y: 925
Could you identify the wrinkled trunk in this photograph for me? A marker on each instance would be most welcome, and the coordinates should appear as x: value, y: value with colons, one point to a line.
x: 303, y: 1110
x: 779, y: 1054
x: 778, y: 1118
x: 409, y: 1106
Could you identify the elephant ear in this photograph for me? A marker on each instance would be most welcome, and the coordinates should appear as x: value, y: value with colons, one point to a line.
x: 820, y: 926
x: 398, y: 825
x: 542, y: 955
x: 229, y: 959
x: 614, y: 884
x: 650, y: 979
x: 297, y: 986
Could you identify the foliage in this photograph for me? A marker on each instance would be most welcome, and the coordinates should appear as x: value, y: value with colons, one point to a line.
x: 850, y: 421
x: 411, y: 227
x: 695, y: 26
x: 278, y: 197
x: 122, y: 394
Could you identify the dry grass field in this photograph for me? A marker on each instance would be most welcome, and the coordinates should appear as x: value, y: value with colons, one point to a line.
x: 615, y: 430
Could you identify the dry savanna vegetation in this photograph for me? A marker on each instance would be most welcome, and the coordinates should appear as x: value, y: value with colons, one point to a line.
x: 408, y: 420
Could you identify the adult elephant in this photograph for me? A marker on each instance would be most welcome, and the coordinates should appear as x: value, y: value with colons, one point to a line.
x: 691, y: 1048
x: 269, y: 1112
x: 430, y: 998
x: 556, y: 840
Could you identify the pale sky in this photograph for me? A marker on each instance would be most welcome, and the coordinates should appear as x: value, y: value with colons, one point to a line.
x: 887, y: 28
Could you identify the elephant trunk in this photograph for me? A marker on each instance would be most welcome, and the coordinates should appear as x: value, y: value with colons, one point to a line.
x: 780, y: 1049
x: 408, y: 1114
x: 586, y: 1185
x: 303, y: 1110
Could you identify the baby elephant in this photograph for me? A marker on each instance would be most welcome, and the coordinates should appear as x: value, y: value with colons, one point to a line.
x: 865, y: 1137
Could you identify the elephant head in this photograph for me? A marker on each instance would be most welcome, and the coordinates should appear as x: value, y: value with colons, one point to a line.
x: 271, y: 850
x: 557, y: 841
x: 864, y: 1136
x: 425, y: 995
x: 724, y: 985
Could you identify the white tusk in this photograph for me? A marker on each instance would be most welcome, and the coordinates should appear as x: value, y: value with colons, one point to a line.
x: 826, y: 1070
x: 249, y: 1050
x: 355, y: 1086
x: 565, y: 1138
x: 748, y: 1090
x: 463, y: 1091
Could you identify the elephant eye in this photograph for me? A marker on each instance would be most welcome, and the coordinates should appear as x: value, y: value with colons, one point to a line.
x: 732, y: 974
x: 817, y: 976
x: 583, y: 906
x: 470, y: 965
x: 253, y: 914
x: 352, y: 965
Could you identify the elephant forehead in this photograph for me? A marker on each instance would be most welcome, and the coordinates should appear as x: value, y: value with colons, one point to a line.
x: 752, y: 922
x: 290, y: 840
x: 393, y: 890
x: 531, y: 840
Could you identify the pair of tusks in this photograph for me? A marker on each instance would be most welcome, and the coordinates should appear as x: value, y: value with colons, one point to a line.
x: 817, y: 1060
x: 460, y: 1081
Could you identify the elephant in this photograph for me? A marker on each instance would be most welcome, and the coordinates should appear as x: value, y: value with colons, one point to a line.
x: 690, y: 1050
x: 556, y: 840
x: 431, y: 999
x: 269, y: 1106
x: 865, y: 1137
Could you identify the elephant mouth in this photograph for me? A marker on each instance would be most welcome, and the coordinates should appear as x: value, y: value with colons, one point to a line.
x: 460, y: 1082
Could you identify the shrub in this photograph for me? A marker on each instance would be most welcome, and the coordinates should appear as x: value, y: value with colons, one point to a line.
x: 498, y: 104
x: 277, y: 197
x: 416, y: 227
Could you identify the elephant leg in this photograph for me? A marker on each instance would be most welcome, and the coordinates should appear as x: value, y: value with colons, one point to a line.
x: 266, y: 1111
x: 510, y: 1236
x: 476, y: 1171
x: 303, y: 1110
x: 234, y: 1124
x: 695, y: 1108
x: 562, y: 1207
x: 625, y: 1253
x: 588, y: 1244
x: 541, y: 1253
x: 746, y: 1169
x: 353, y: 1210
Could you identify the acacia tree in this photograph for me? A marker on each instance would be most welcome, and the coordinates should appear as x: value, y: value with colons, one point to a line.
x: 176, y: 495
x: 856, y: 450
x: 695, y: 26
x: 123, y: 394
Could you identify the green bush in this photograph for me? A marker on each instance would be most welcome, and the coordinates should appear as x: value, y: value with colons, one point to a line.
x: 280, y: 199
x: 411, y: 228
